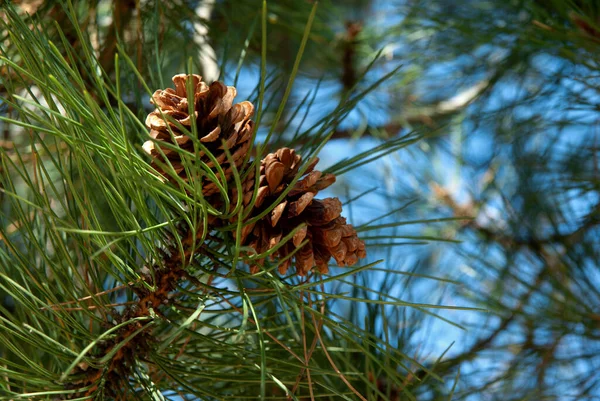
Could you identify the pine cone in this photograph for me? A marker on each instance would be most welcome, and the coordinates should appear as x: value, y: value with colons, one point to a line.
x: 219, y: 125
x: 326, y: 232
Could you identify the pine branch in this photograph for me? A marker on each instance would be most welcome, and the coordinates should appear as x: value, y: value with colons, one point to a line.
x: 532, y: 241
x: 123, y: 240
x: 206, y: 54
x: 541, y: 247
x: 133, y: 341
x: 428, y: 115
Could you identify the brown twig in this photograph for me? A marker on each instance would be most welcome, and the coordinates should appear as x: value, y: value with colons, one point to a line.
x: 307, y: 355
x: 509, y: 241
x: 332, y: 362
x: 307, y: 358
x: 349, y: 74
x: 133, y: 340
x: 271, y: 336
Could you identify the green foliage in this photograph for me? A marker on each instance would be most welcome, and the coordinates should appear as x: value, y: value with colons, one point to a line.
x: 88, y: 230
x: 447, y: 121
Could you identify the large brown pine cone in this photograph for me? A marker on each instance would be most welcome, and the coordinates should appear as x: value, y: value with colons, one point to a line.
x: 326, y: 232
x: 219, y: 125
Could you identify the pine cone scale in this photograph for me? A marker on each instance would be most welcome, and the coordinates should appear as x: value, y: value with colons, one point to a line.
x: 212, y: 136
x: 277, y: 212
x: 298, y: 206
x: 323, y: 211
x: 299, y: 236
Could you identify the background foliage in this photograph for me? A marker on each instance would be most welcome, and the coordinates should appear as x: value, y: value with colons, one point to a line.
x: 473, y: 121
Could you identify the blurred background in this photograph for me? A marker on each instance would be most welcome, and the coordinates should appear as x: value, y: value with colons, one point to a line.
x: 484, y: 187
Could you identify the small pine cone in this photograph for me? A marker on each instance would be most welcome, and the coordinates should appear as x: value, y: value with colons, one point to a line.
x: 326, y: 232
x: 219, y: 125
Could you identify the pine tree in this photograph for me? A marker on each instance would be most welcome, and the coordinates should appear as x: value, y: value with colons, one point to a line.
x: 372, y: 200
